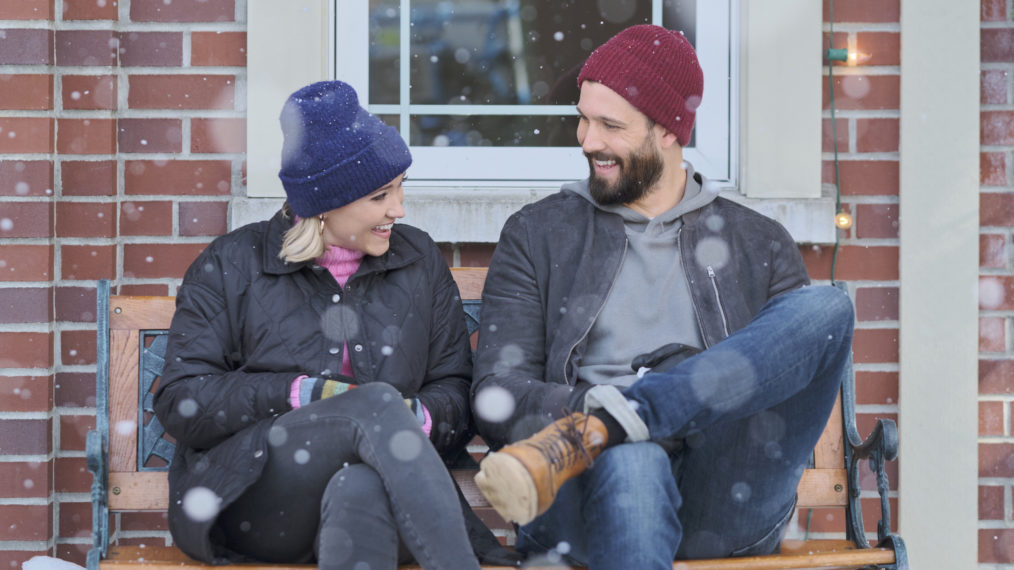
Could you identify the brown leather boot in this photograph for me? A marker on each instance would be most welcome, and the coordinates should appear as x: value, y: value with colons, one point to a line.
x: 522, y: 479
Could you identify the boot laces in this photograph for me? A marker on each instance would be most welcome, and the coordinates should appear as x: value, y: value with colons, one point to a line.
x: 566, y: 446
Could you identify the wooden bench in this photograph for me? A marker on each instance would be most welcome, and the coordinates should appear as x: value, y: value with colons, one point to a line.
x: 128, y: 454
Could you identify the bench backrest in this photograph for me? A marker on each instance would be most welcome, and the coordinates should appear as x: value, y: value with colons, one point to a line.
x: 139, y: 452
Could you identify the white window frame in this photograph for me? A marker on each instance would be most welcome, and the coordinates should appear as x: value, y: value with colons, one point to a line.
x: 775, y: 107
x: 713, y: 150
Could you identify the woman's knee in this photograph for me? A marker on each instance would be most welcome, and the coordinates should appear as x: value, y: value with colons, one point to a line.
x: 355, y: 485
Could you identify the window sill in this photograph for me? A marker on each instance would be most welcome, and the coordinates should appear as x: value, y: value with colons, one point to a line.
x: 475, y: 215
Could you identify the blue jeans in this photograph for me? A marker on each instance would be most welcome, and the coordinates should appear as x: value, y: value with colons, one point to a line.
x: 732, y: 431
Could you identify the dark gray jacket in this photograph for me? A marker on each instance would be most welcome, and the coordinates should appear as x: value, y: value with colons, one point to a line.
x: 552, y: 271
x: 247, y: 324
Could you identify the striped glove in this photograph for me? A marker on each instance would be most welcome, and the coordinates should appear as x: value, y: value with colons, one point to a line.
x: 306, y: 389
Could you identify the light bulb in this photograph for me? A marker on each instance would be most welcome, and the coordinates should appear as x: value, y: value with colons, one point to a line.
x: 843, y: 220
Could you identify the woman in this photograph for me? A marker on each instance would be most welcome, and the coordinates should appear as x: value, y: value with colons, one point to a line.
x: 318, y: 366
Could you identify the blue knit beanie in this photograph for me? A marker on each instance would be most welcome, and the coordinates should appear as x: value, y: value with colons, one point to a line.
x: 334, y: 151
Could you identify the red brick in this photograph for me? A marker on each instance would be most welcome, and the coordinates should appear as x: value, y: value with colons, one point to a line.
x: 25, y: 305
x: 996, y: 209
x: 89, y: 178
x: 993, y: 86
x: 996, y: 545
x: 26, y: 92
x: 72, y: 475
x: 74, y: 390
x: 992, y: 334
x: 996, y: 459
x: 877, y: 304
x: 855, y: 263
x: 151, y: 49
x: 26, y: 394
x: 86, y: 47
x: 85, y: 219
x: 993, y: 251
x: 878, y: 48
x: 991, y: 418
x: 26, y: 219
x: 75, y: 304
x: 871, y: 92
x: 203, y: 218
x: 996, y: 292
x: 26, y: 479
x: 150, y: 135
x: 75, y: 520
x: 86, y: 136
x: 77, y: 347
x: 993, y: 168
x: 146, y: 290
x: 996, y: 377
x: 90, y: 10
x: 877, y: 388
x: 182, y: 11
x: 182, y: 92
x: 25, y: 437
x: 26, y: 262
x: 23, y: 135
x: 26, y: 46
x: 26, y: 178
x: 25, y: 350
x: 218, y: 49
x: 218, y: 135
x: 828, y: 135
x: 26, y: 522
x: 996, y: 127
x: 89, y: 92
x: 74, y: 430
x: 476, y: 254
x: 146, y: 218
x: 88, y: 262
x: 144, y: 521
x: 993, y: 10
x: 864, y: 11
x: 996, y: 45
x: 26, y: 10
x: 75, y: 553
x: 877, y: 221
x: 875, y: 345
x: 990, y: 502
x: 877, y: 135
x: 158, y: 260
x: 178, y: 177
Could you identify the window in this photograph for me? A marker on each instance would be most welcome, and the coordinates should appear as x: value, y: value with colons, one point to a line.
x: 484, y: 90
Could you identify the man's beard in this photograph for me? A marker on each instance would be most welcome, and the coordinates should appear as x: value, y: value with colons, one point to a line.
x: 639, y: 171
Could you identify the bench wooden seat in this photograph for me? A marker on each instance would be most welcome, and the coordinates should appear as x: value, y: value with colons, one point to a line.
x: 128, y: 454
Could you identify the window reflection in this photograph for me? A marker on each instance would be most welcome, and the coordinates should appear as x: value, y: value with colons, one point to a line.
x: 477, y: 53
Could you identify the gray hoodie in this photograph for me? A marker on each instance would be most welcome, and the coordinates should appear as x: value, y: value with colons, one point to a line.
x: 649, y: 304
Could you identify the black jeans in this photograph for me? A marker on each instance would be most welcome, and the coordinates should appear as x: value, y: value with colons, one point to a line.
x: 353, y: 482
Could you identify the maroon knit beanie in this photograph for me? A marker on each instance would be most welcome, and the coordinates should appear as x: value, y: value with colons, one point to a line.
x: 656, y: 70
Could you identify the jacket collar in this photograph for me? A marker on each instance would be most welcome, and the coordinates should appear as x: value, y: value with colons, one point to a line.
x: 401, y: 253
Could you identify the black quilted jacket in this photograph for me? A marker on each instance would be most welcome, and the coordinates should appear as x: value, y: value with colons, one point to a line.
x: 246, y: 324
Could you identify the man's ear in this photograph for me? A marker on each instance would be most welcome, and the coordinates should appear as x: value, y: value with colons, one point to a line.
x: 666, y: 138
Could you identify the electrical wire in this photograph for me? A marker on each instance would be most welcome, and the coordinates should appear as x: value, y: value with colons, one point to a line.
x: 834, y: 140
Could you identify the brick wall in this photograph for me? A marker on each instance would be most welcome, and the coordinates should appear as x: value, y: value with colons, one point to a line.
x: 122, y: 129
x: 122, y: 135
x: 996, y: 344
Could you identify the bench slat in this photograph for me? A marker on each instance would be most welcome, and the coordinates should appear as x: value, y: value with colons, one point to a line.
x: 124, y: 348
x: 795, y: 554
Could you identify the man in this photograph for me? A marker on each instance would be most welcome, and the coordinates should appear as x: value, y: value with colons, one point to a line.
x: 677, y: 326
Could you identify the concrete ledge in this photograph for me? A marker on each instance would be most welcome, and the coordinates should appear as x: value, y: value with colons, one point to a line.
x: 475, y: 215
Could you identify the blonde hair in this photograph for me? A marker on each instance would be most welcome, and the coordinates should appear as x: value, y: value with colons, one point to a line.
x: 303, y: 241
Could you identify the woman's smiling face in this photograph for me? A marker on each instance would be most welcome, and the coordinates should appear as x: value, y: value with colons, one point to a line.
x: 365, y: 225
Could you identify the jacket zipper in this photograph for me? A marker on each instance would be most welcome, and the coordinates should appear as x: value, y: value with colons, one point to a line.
x: 693, y: 300
x: 721, y: 307
x: 570, y: 351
